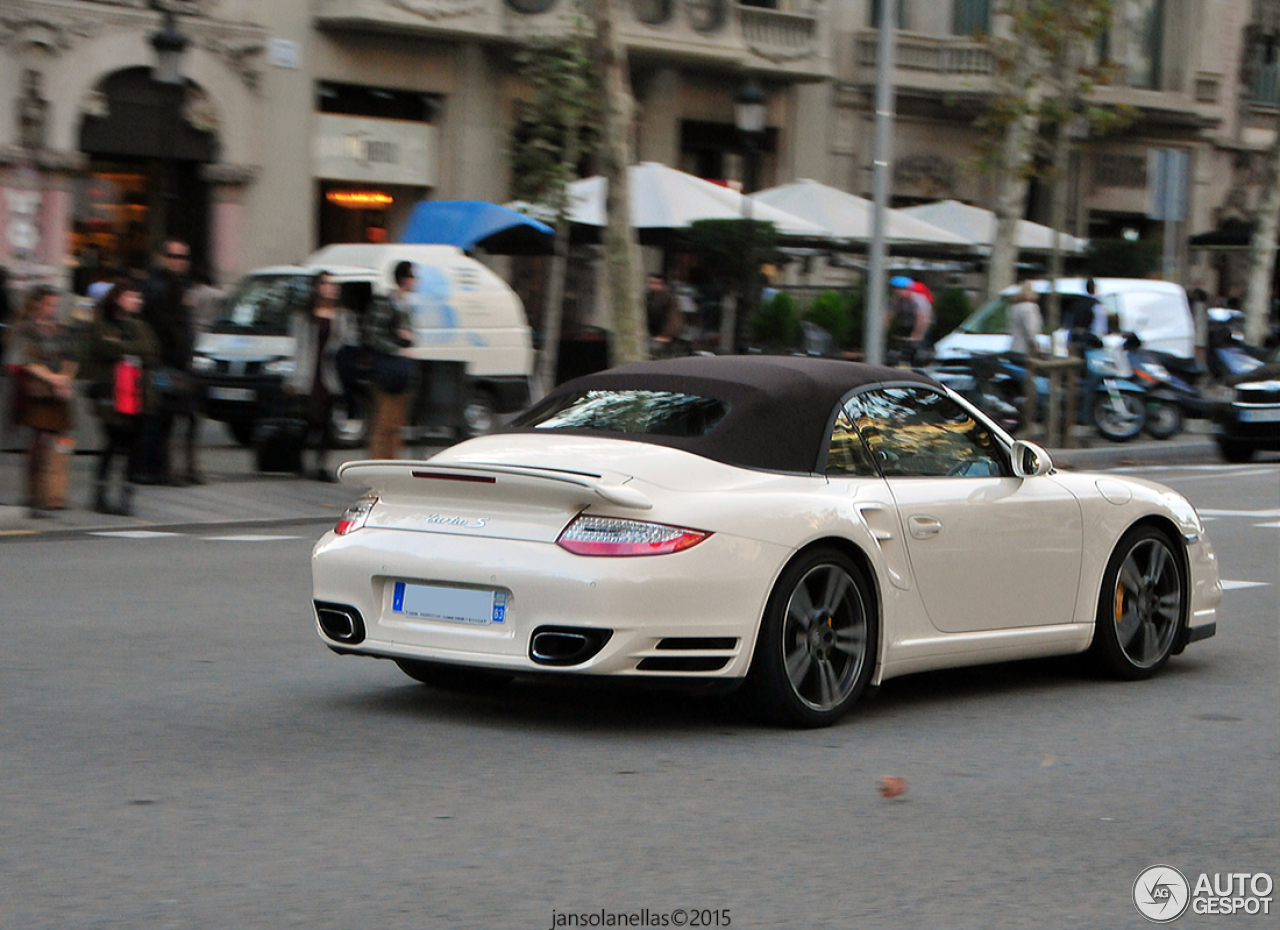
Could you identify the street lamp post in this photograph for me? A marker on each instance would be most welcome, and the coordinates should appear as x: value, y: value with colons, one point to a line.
x: 170, y: 45
x: 750, y: 112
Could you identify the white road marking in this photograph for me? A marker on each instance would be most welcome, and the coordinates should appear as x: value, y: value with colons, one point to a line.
x: 133, y: 534
x: 1268, y: 526
x: 249, y: 538
x: 1236, y: 585
x: 1209, y: 472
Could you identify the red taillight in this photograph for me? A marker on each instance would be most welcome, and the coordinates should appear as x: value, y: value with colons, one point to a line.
x: 354, y: 516
x: 588, y: 535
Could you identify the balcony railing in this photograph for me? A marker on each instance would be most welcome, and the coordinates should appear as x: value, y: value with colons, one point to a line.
x: 778, y: 36
x: 935, y: 56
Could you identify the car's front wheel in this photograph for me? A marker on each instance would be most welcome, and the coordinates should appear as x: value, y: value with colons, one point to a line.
x: 454, y: 677
x: 817, y: 645
x: 1142, y: 607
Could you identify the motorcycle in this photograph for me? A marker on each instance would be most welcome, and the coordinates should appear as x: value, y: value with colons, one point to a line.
x: 1112, y: 397
x: 1228, y: 355
x: 1171, y: 392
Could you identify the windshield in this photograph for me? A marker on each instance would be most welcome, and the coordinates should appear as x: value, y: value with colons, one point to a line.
x: 654, y: 413
x: 991, y: 319
x: 262, y: 304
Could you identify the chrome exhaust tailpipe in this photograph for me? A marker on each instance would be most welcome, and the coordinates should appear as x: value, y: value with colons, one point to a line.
x: 563, y: 646
x: 340, y: 623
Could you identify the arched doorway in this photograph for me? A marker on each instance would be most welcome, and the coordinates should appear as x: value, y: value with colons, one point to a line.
x: 143, y: 183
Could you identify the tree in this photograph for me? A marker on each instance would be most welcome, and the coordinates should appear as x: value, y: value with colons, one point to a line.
x: 730, y: 252
x: 621, y: 250
x: 555, y: 130
x: 1045, y: 76
x: 1262, y: 251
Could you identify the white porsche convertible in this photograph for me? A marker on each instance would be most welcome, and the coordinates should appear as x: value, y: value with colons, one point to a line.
x: 804, y: 527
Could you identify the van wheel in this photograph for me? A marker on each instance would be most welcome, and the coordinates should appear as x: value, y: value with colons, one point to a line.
x: 242, y: 430
x: 480, y: 416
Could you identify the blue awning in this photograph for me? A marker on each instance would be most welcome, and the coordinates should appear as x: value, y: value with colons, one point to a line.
x: 468, y: 223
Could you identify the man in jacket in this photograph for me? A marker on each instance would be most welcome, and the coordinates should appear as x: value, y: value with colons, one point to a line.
x: 166, y: 311
x: 387, y: 330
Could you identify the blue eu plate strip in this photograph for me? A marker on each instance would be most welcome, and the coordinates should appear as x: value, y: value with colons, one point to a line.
x: 397, y: 598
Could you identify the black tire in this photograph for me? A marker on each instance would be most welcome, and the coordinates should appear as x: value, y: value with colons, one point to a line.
x: 806, y: 672
x: 1236, y: 452
x: 1116, y: 425
x: 1164, y: 420
x: 1142, y: 607
x: 242, y: 430
x: 454, y: 677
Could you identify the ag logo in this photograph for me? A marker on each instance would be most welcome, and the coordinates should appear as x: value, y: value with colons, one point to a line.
x: 1161, y: 893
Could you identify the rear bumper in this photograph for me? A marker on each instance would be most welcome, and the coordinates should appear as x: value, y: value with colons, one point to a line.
x: 715, y: 591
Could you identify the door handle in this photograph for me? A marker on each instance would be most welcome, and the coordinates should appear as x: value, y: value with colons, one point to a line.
x: 924, y: 527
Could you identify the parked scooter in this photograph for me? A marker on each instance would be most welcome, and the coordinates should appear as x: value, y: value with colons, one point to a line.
x: 1111, y: 395
x: 1228, y: 354
x: 1172, y: 396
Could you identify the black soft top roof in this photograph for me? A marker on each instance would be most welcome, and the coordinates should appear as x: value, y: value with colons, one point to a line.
x: 780, y: 407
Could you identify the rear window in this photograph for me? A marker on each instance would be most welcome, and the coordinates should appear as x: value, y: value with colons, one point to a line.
x: 651, y: 413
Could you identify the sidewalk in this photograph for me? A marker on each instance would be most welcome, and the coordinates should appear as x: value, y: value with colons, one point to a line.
x: 237, y: 494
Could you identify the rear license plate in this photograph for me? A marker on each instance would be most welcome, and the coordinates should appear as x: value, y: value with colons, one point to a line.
x: 1261, y: 415
x: 449, y: 605
x: 240, y: 394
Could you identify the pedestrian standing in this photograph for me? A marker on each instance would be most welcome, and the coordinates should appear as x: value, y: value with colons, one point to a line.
x: 168, y: 313
x: 387, y: 332
x: 319, y: 331
x: 47, y: 380
x: 1025, y: 322
x: 122, y: 352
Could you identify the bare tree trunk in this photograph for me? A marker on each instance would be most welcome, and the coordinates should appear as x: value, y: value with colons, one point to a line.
x: 621, y: 251
x: 1058, y: 218
x: 1015, y: 153
x: 1262, y: 252
x: 544, y: 378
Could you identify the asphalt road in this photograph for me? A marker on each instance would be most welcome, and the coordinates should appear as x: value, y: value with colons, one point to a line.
x: 178, y: 750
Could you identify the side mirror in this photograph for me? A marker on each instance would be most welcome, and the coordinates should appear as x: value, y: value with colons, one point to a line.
x: 1029, y: 460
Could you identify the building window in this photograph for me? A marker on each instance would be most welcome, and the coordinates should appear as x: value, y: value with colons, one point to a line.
x: 653, y: 12
x: 971, y: 17
x: 1266, y: 82
x: 1135, y: 43
x: 379, y: 102
x: 903, y: 22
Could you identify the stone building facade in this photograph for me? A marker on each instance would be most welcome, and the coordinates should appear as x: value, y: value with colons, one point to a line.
x: 308, y: 121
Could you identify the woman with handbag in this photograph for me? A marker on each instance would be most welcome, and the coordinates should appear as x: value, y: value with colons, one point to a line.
x: 122, y: 351
x: 319, y: 331
x: 47, y: 381
x: 387, y: 332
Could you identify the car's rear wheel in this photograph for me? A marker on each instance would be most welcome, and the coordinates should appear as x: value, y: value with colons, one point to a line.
x: 242, y: 430
x: 1142, y: 607
x: 454, y: 677
x: 817, y: 644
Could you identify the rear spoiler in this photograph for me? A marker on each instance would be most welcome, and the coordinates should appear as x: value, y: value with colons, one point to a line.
x: 403, y: 476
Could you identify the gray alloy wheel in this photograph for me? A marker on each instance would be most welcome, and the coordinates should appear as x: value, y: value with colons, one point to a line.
x: 1142, y: 607
x: 817, y: 643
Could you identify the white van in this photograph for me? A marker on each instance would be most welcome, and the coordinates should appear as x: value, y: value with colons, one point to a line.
x: 1156, y: 311
x: 462, y: 311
